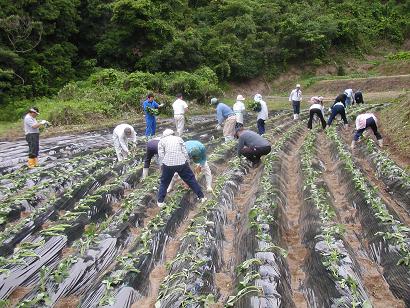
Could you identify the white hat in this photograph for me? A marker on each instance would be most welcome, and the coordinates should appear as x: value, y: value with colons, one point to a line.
x: 240, y: 98
x: 298, y: 85
x: 257, y: 98
x: 214, y: 100
x: 167, y: 132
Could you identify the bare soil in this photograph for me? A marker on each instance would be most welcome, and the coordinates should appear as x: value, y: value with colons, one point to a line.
x: 296, y: 250
x: 374, y: 282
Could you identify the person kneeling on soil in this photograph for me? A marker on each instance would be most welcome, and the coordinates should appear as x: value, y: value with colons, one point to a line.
x: 174, y: 157
x: 225, y: 113
x: 316, y: 109
x: 150, y: 151
x: 32, y: 132
x: 338, y: 108
x: 197, y: 152
x: 363, y: 122
x: 252, y: 145
x: 120, y: 136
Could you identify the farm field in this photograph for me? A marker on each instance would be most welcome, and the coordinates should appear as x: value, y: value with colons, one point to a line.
x: 315, y: 225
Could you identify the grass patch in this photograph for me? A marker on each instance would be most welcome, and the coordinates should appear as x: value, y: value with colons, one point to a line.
x: 395, y: 121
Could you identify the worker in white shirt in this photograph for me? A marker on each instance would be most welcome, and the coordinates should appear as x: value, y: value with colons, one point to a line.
x: 180, y: 107
x: 316, y: 109
x: 32, y: 132
x: 174, y: 157
x: 239, y: 110
x: 262, y: 114
x: 121, y: 134
x: 296, y: 97
x: 363, y: 122
x: 349, y: 97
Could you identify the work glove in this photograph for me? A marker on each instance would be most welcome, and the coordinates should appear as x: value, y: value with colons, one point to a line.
x: 218, y: 127
x: 43, y: 122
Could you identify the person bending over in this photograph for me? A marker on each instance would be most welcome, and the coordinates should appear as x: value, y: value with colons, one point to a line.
x: 363, y: 122
x: 120, y: 137
x: 316, y: 109
x: 252, y: 146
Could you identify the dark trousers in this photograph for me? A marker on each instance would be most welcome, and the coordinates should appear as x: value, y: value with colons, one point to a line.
x: 296, y: 107
x: 370, y: 122
x: 186, y: 174
x: 254, y: 154
x: 149, y: 154
x: 319, y: 113
x: 261, y: 126
x: 33, y: 141
x: 335, y: 111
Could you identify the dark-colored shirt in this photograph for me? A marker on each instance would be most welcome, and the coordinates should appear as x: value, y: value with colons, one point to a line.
x: 358, y: 97
x: 340, y: 98
x: 152, y: 149
x: 251, y: 139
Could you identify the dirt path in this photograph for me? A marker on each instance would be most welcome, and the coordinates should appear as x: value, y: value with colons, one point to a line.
x: 296, y: 250
x: 235, y: 227
x: 374, y: 282
x: 159, y: 272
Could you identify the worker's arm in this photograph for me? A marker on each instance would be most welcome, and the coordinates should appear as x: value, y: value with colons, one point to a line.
x: 184, y: 151
x: 124, y: 142
x: 219, y: 115
x: 161, y: 152
x: 290, y: 96
x: 241, y: 144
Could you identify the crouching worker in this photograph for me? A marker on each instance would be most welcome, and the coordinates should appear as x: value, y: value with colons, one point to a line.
x: 364, y: 121
x: 252, y: 145
x: 338, y: 107
x: 150, y: 152
x: 174, y: 158
x: 316, y: 109
x: 120, y: 136
x: 197, y: 152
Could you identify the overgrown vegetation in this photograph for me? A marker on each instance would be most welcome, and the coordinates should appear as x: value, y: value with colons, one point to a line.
x: 46, y: 44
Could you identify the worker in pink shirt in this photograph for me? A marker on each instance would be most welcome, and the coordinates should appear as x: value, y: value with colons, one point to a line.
x: 364, y: 121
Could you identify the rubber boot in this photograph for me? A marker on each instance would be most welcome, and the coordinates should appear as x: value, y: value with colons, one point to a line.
x: 380, y: 142
x: 353, y: 144
x: 144, y: 173
x: 31, y: 162
x: 295, y: 117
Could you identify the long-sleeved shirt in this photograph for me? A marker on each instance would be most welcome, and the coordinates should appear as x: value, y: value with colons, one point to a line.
x: 349, y: 93
x: 251, y: 139
x: 223, y: 112
x: 197, y: 151
x: 295, y: 95
x: 318, y: 106
x: 361, y: 120
x: 153, y: 105
x: 172, y: 151
x: 122, y: 137
x: 358, y: 97
x: 29, y: 121
x: 239, y: 110
x: 263, y: 114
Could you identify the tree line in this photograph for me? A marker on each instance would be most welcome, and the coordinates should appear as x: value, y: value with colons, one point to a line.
x: 44, y: 44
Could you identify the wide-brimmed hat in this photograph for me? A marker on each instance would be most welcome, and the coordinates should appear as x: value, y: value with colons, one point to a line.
x: 34, y: 109
x: 167, y: 132
x: 298, y: 85
x: 240, y: 98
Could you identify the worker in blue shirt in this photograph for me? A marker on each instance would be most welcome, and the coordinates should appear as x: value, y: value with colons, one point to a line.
x: 149, y: 107
x: 224, y: 113
x: 197, y: 153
